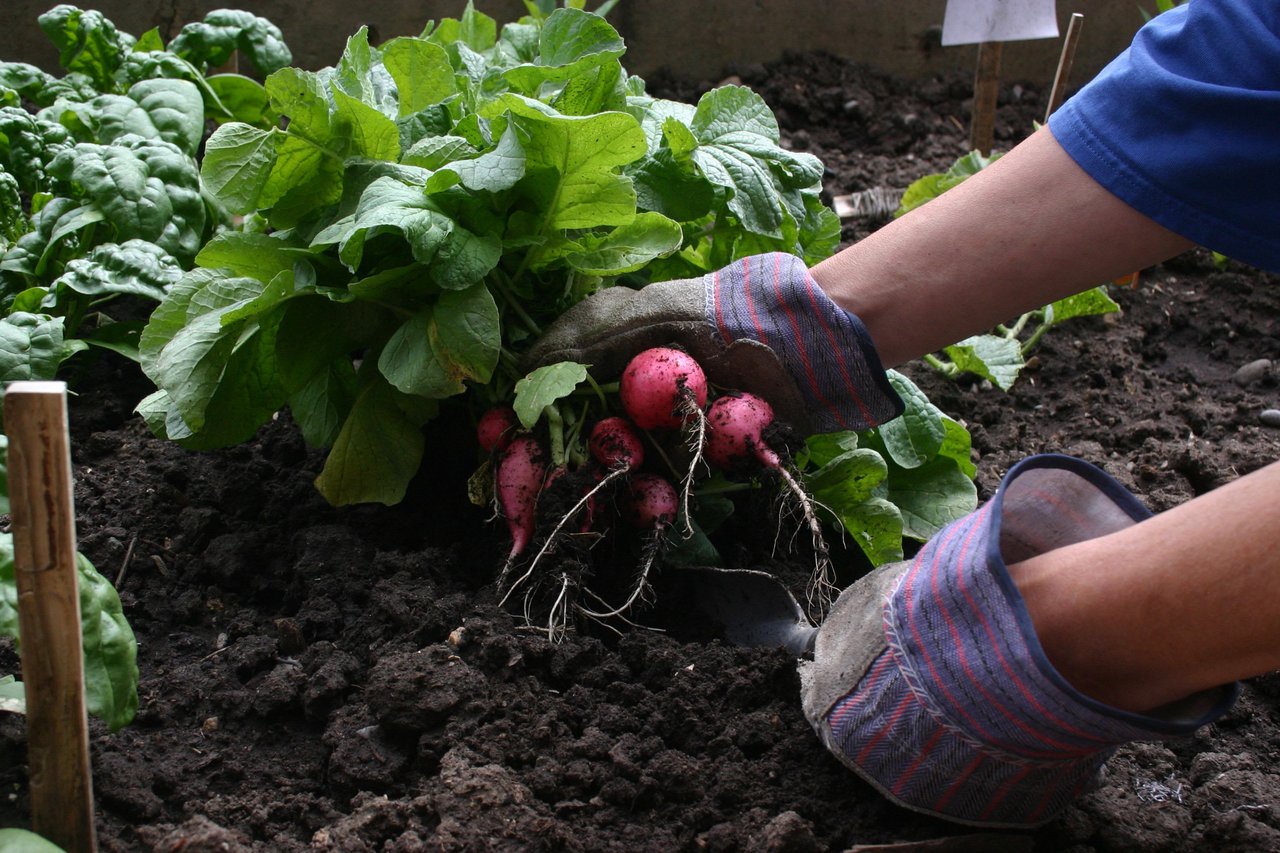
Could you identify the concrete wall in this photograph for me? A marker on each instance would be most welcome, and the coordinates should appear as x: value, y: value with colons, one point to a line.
x: 695, y: 40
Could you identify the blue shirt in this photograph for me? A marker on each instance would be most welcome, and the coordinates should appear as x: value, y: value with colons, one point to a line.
x: 1184, y: 126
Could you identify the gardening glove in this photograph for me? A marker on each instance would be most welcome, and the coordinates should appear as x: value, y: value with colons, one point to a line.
x: 929, y: 682
x: 761, y: 325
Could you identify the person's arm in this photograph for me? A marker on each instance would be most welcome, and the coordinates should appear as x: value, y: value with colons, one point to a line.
x: 1031, y: 228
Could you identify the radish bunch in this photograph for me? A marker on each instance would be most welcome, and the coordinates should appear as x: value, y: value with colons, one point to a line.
x: 663, y: 395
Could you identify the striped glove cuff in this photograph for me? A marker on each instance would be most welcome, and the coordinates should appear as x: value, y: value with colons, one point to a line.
x: 963, y: 715
x: 772, y: 299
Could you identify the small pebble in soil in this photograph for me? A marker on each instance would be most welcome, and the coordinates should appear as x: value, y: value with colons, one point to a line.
x: 1270, y: 417
x: 1252, y: 372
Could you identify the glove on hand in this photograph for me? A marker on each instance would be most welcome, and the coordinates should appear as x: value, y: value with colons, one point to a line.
x: 929, y: 682
x: 761, y: 325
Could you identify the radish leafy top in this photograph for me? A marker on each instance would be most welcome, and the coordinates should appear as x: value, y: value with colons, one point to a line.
x: 429, y: 205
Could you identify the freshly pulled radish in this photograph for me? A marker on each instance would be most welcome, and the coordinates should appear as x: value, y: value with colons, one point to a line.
x: 521, y: 471
x: 661, y: 386
x: 614, y: 443
x: 665, y: 388
x: 735, y: 439
x: 735, y: 432
x: 653, y: 502
x: 652, y: 506
x: 496, y: 427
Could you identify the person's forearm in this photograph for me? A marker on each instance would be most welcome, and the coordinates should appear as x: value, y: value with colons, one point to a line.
x: 1027, y: 230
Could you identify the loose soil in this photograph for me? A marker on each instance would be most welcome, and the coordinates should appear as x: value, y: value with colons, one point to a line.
x: 341, y: 679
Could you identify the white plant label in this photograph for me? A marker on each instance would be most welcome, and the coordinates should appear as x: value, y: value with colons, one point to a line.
x: 973, y: 21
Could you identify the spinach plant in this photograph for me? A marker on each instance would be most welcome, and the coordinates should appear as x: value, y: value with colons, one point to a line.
x: 100, y: 193
x: 1000, y: 355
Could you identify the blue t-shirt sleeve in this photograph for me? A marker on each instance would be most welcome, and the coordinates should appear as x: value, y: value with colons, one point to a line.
x: 1184, y: 126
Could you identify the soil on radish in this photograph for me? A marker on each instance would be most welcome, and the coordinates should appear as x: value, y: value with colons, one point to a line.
x: 341, y: 679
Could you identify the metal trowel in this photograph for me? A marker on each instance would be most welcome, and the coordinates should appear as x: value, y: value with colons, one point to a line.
x: 752, y: 608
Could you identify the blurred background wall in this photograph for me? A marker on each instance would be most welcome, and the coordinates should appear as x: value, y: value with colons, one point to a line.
x: 696, y: 40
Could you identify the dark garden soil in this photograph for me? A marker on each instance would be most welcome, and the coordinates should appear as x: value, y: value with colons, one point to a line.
x: 342, y: 679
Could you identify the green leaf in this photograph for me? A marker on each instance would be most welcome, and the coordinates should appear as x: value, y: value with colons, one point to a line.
x: 993, y: 357
x: 32, y: 346
x: 916, y: 437
x: 238, y: 158
x: 23, y: 841
x: 958, y: 447
x: 571, y: 163
x: 847, y: 480
x: 624, y: 249
x: 544, y: 386
x: 422, y: 73
x: 377, y: 452
x: 570, y: 43
x: 110, y: 649
x: 4, y: 474
x: 135, y: 267
x: 210, y: 43
x: 456, y: 257
x: 930, y: 187
x: 87, y: 43
x: 494, y: 171
x: 738, y: 150
x: 244, y: 253
x: 242, y: 99
x: 435, y: 350
x: 876, y: 525
x: 1089, y: 303
x: 931, y: 496
x: 210, y: 346
x: 13, y: 699
x: 145, y: 188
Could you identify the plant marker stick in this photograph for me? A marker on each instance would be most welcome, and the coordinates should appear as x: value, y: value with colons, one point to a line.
x: 44, y: 555
x: 986, y: 86
x: 1065, y: 61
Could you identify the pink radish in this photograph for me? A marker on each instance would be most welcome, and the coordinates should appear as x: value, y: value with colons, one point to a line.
x: 661, y: 386
x: 653, y: 502
x: 521, y: 471
x: 614, y: 443
x: 735, y: 439
x: 652, y: 506
x: 665, y: 388
x: 735, y: 428
x: 496, y: 427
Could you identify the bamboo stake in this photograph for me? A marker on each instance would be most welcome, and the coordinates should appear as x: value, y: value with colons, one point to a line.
x: 44, y: 554
x: 986, y: 87
x: 1064, y: 64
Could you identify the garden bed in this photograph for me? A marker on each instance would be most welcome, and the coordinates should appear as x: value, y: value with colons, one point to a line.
x: 341, y: 679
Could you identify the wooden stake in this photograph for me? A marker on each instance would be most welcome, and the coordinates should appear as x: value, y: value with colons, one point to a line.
x: 986, y: 86
x: 44, y: 555
x: 1064, y: 64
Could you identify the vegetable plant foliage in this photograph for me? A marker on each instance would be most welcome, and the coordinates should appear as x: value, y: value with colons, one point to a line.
x: 425, y: 207
x: 100, y: 193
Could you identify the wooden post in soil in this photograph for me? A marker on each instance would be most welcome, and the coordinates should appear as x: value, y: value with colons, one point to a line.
x: 44, y: 555
x: 1065, y: 61
x: 986, y: 87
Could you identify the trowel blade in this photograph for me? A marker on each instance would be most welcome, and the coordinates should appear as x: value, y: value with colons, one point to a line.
x: 752, y: 608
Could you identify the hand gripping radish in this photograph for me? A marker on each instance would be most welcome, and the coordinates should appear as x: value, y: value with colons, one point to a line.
x: 735, y: 438
x: 761, y: 324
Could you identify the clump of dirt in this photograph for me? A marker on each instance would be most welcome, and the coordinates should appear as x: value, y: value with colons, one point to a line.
x: 342, y: 679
